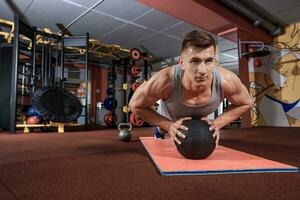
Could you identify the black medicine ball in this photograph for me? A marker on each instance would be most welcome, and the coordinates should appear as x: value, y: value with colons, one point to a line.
x: 199, y: 142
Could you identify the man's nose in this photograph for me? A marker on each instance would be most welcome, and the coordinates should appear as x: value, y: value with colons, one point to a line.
x: 202, y: 69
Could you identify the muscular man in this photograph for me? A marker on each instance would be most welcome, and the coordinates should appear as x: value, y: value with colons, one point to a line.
x: 192, y: 89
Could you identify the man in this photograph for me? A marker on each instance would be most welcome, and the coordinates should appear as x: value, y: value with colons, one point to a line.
x: 192, y: 89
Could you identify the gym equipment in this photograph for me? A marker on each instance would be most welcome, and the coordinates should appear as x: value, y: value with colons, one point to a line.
x: 135, y: 54
x: 136, y: 120
x: 125, y: 109
x: 258, y: 53
x: 76, y: 62
x: 135, y: 70
x: 110, y: 103
x: 125, y: 86
x: 56, y: 104
x: 257, y: 62
x: 27, y: 128
x: 125, y: 134
x: 251, y: 49
x: 32, y: 120
x: 111, y: 77
x: 23, y: 69
x: 199, y: 142
x: 110, y: 119
x: 135, y: 85
x: 110, y: 91
x: 31, y: 112
x: 135, y: 78
x: 223, y: 161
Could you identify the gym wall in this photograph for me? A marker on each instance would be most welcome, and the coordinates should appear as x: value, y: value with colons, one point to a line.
x: 275, y: 83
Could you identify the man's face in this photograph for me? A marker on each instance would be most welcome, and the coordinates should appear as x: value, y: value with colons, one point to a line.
x: 197, y: 64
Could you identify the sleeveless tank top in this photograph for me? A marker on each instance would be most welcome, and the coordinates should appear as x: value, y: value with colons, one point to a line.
x: 174, y: 108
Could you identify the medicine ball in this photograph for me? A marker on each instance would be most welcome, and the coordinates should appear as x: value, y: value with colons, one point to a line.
x: 199, y: 142
x: 110, y: 103
x: 31, y: 112
x: 110, y: 91
x: 32, y: 120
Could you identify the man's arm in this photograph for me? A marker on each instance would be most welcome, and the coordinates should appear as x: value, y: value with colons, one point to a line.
x: 157, y: 87
x: 238, y: 96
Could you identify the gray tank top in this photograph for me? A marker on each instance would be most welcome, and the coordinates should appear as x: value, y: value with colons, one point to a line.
x: 173, y: 108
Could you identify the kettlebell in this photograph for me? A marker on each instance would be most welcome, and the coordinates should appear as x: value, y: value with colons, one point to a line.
x: 124, y: 133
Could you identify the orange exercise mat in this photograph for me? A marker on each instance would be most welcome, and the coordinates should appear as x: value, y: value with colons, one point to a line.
x: 222, y: 161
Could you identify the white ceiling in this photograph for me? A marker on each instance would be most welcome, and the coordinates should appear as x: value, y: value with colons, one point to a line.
x: 130, y: 24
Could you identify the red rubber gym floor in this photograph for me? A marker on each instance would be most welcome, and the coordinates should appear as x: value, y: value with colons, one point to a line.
x: 96, y: 165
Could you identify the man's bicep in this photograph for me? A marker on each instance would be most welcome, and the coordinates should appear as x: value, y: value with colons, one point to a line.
x: 143, y: 101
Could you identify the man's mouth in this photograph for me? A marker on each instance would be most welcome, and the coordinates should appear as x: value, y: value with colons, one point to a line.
x: 201, y: 78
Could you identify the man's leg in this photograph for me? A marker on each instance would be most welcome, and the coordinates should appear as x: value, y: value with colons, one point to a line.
x: 162, y: 110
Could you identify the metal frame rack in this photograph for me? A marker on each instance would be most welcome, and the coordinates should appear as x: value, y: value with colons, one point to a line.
x: 23, y: 71
x: 81, y: 59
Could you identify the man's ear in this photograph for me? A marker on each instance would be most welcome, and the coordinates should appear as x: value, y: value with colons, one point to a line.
x: 181, y: 62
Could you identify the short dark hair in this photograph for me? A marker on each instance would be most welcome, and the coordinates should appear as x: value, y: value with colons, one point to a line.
x: 200, y: 39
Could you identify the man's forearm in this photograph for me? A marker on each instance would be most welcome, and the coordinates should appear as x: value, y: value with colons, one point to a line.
x: 151, y: 116
x: 230, y: 115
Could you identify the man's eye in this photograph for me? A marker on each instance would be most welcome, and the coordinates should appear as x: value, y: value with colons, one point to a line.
x: 209, y: 61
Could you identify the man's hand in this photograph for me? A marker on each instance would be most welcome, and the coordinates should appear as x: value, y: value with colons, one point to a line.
x: 212, y: 127
x: 174, y: 129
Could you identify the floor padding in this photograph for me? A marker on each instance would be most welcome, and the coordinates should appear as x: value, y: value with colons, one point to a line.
x: 222, y: 161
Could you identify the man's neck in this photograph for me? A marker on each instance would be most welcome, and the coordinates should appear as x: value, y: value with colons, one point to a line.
x: 187, y: 85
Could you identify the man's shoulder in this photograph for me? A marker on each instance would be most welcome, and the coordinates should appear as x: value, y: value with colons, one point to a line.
x: 224, y: 72
x: 165, y: 73
x: 161, y: 83
x: 230, y: 81
x: 168, y: 69
x: 226, y: 75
